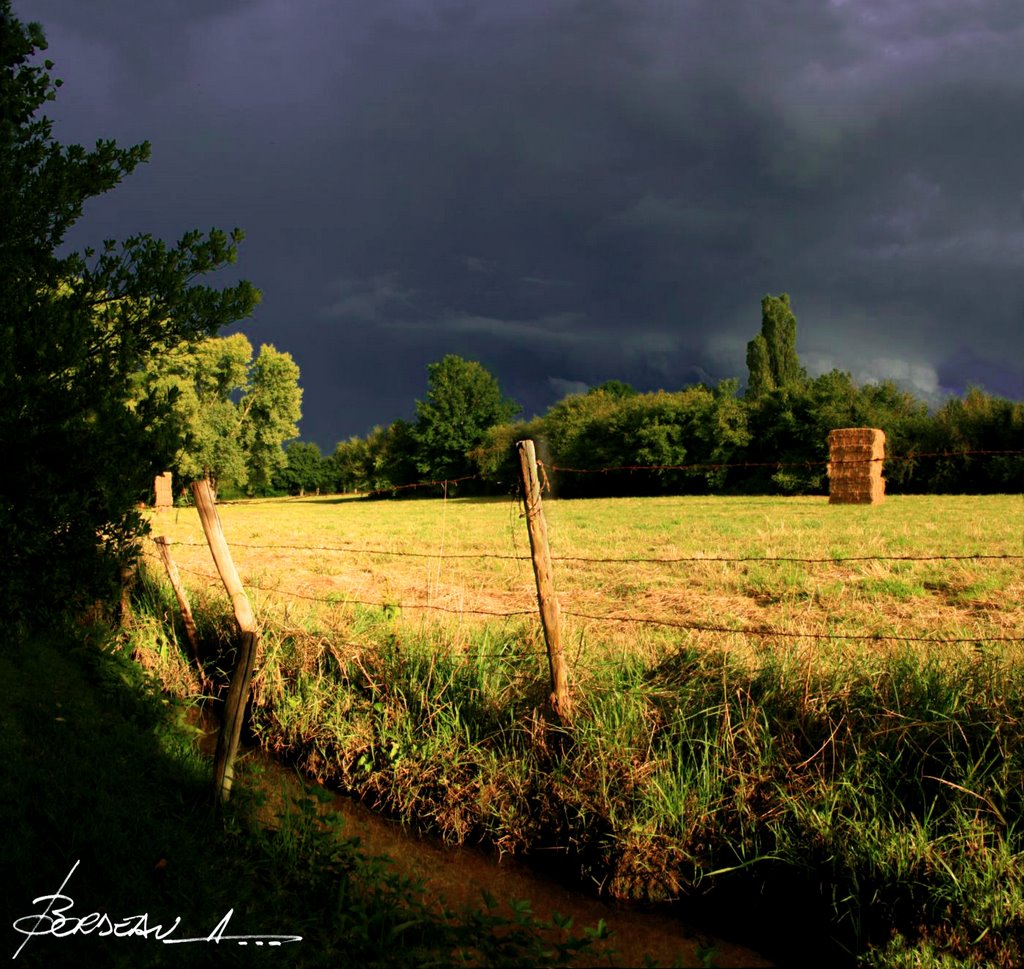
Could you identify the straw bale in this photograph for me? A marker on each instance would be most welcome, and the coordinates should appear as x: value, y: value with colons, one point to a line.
x: 844, y: 452
x: 857, y: 440
x: 858, y: 496
x: 852, y: 436
x: 855, y: 471
x: 164, y: 488
x: 856, y: 456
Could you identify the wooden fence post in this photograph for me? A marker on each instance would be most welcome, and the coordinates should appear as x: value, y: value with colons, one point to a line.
x: 238, y: 691
x: 561, y: 703
x: 163, y: 546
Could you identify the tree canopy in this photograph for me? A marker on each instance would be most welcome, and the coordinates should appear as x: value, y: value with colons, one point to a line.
x: 304, y: 471
x: 696, y: 440
x: 227, y: 414
x: 76, y: 328
x: 463, y: 402
x: 772, y: 360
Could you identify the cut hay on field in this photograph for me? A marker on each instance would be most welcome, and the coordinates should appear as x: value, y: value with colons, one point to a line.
x: 856, y: 455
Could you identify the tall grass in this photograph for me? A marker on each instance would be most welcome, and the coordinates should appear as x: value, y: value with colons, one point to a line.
x: 100, y: 767
x: 869, y: 789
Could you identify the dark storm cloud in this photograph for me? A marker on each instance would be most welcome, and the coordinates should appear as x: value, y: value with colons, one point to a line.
x: 575, y: 191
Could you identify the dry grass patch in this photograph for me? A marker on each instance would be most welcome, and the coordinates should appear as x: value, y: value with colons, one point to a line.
x: 466, y: 558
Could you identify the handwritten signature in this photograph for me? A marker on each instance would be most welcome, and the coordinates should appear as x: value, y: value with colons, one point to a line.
x: 55, y: 921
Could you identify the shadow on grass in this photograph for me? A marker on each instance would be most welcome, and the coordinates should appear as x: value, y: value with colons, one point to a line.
x: 97, y: 773
x: 102, y: 781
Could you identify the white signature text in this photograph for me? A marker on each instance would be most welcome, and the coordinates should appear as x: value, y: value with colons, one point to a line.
x: 57, y: 921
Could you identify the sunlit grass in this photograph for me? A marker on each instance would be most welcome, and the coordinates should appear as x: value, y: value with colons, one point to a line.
x: 837, y: 725
x: 420, y: 553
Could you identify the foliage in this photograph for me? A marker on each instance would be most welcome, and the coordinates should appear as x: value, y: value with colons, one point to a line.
x: 771, y: 440
x: 771, y: 356
x: 75, y: 329
x: 346, y: 467
x: 614, y: 388
x: 271, y: 408
x: 227, y: 413
x: 380, y: 462
x: 305, y: 469
x: 497, y: 461
x: 192, y: 388
x: 983, y: 423
x: 463, y: 402
x: 602, y: 429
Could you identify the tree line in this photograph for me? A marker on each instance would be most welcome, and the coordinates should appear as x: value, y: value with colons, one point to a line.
x: 113, y: 372
x: 769, y: 439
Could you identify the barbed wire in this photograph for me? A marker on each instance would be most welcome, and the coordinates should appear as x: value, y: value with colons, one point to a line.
x: 348, y: 600
x: 821, y: 462
x: 623, y: 560
x: 760, y: 632
x: 215, y: 582
x: 692, y: 466
x: 433, y: 607
x: 353, y: 496
x: 661, y: 560
x: 442, y: 483
x: 790, y: 634
x: 360, y: 550
x: 836, y: 559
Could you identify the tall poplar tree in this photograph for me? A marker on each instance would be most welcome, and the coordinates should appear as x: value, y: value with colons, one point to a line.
x: 772, y: 361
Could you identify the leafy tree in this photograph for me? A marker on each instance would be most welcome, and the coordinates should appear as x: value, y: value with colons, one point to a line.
x: 574, y: 429
x: 346, y: 467
x: 270, y: 411
x: 193, y: 387
x: 906, y: 422
x: 228, y: 414
x: 496, y: 459
x: 614, y: 388
x: 75, y: 329
x: 698, y: 425
x: 772, y: 361
x: 393, y: 456
x: 463, y: 402
x: 977, y: 422
x: 305, y: 469
x: 385, y: 459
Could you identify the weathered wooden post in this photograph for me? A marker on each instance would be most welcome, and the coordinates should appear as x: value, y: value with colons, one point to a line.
x: 561, y: 702
x: 163, y: 546
x: 238, y: 691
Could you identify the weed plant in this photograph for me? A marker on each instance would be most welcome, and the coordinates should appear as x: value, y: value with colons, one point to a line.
x: 855, y: 795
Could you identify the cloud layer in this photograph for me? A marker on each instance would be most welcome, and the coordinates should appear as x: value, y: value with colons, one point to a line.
x: 576, y: 190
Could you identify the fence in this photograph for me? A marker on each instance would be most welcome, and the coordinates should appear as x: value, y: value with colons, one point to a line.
x: 584, y: 598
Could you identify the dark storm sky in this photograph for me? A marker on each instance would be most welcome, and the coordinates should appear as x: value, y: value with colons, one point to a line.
x: 575, y: 190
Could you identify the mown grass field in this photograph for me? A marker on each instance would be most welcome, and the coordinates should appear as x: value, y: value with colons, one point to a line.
x: 435, y: 554
x: 757, y: 704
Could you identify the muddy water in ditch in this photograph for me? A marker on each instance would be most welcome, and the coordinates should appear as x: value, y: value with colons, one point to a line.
x: 461, y: 874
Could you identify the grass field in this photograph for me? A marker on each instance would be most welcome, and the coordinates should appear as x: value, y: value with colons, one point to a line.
x: 433, y: 553
x: 824, y: 700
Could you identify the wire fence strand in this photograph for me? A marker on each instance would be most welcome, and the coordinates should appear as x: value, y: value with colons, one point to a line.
x: 665, y: 560
x: 623, y: 560
x: 780, y: 465
x: 760, y: 632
